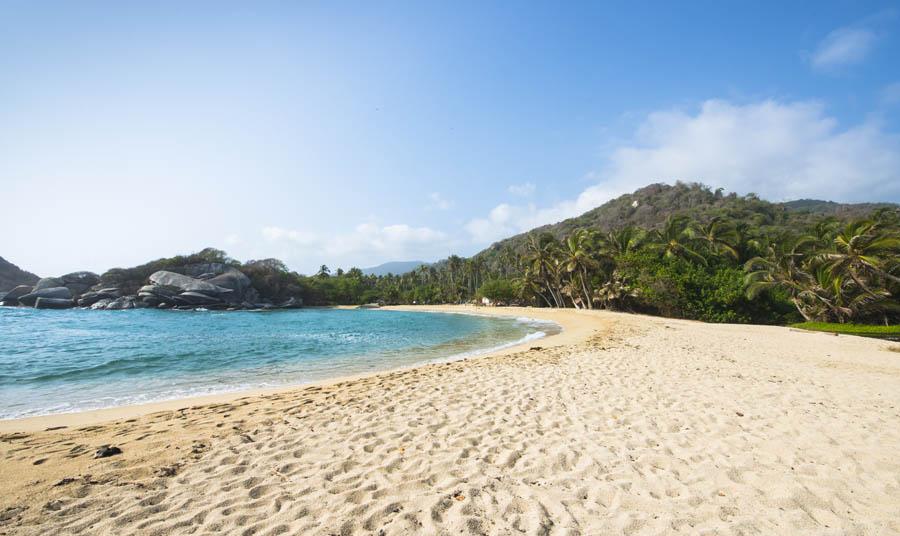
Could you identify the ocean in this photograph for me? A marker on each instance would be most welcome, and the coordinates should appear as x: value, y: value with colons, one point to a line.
x: 75, y: 360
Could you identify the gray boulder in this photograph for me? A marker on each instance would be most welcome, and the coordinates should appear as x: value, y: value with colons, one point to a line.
x: 53, y: 292
x: 183, y: 283
x: 101, y: 303
x: 90, y: 298
x: 53, y: 303
x: 204, y: 270
x: 49, y: 282
x: 235, y: 281
x: 197, y: 298
x: 12, y: 297
x: 124, y: 302
x: 79, y: 282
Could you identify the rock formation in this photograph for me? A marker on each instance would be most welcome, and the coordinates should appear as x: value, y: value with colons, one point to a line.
x: 193, y: 286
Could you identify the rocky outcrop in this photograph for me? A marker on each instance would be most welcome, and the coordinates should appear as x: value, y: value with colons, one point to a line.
x: 207, y: 285
x: 61, y: 293
x: 91, y: 297
x: 79, y: 282
x: 12, y: 297
x: 48, y: 282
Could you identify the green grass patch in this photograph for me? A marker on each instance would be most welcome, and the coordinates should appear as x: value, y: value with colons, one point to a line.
x: 865, y: 330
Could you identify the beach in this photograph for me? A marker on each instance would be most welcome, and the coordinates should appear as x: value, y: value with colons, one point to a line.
x: 621, y: 424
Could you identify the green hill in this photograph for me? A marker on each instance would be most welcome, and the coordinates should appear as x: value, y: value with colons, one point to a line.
x: 650, y: 206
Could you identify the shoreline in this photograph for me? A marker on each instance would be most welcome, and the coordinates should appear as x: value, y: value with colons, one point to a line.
x: 620, y: 424
x: 101, y: 415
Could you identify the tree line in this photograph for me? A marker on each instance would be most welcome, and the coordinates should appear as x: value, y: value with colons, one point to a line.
x: 719, y: 270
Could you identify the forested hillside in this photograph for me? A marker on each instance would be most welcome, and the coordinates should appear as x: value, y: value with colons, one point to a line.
x: 650, y: 206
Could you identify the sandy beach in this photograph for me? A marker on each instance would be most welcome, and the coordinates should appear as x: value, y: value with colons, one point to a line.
x: 621, y: 424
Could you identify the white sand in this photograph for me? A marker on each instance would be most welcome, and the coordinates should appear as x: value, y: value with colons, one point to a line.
x: 620, y: 425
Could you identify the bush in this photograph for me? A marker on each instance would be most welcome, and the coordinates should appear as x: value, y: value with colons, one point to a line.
x: 498, y: 291
x: 679, y: 288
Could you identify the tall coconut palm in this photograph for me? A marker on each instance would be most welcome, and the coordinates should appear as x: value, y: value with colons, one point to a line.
x: 578, y: 261
x: 541, y: 256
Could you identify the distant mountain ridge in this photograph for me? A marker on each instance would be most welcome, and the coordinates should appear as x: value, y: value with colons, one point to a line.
x: 394, y: 267
x: 13, y: 276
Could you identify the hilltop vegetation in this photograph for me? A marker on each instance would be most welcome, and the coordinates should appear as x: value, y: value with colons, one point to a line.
x: 649, y: 208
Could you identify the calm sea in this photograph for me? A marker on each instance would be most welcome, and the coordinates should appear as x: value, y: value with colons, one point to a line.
x: 74, y: 360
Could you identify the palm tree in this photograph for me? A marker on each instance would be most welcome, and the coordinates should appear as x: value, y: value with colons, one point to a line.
x: 541, y: 254
x: 746, y: 245
x: 674, y: 240
x: 454, y: 265
x: 614, y: 293
x: 324, y: 271
x: 862, y: 251
x: 717, y: 234
x: 578, y: 261
x: 530, y: 284
x: 621, y: 241
x: 783, y: 269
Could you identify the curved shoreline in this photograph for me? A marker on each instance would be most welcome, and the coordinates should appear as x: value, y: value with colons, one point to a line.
x: 619, y: 421
x: 101, y: 415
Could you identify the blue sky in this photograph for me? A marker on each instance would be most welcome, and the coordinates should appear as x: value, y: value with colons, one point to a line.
x: 357, y: 133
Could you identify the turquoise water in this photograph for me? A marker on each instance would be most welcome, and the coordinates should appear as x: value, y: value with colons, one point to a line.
x: 65, y: 361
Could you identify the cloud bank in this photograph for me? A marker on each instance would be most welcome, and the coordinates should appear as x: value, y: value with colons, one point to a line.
x: 367, y: 244
x: 779, y: 150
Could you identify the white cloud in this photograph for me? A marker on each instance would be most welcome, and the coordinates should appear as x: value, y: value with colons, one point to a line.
x: 366, y: 244
x: 438, y: 202
x: 526, y: 189
x: 232, y: 240
x: 843, y: 46
x: 779, y: 150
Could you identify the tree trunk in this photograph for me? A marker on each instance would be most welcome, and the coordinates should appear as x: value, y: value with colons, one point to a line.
x: 800, y: 309
x: 587, y: 295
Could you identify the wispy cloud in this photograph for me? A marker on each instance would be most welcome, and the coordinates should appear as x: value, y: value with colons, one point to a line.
x: 844, y: 46
x: 438, y: 202
x: 526, y: 189
x: 780, y: 150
